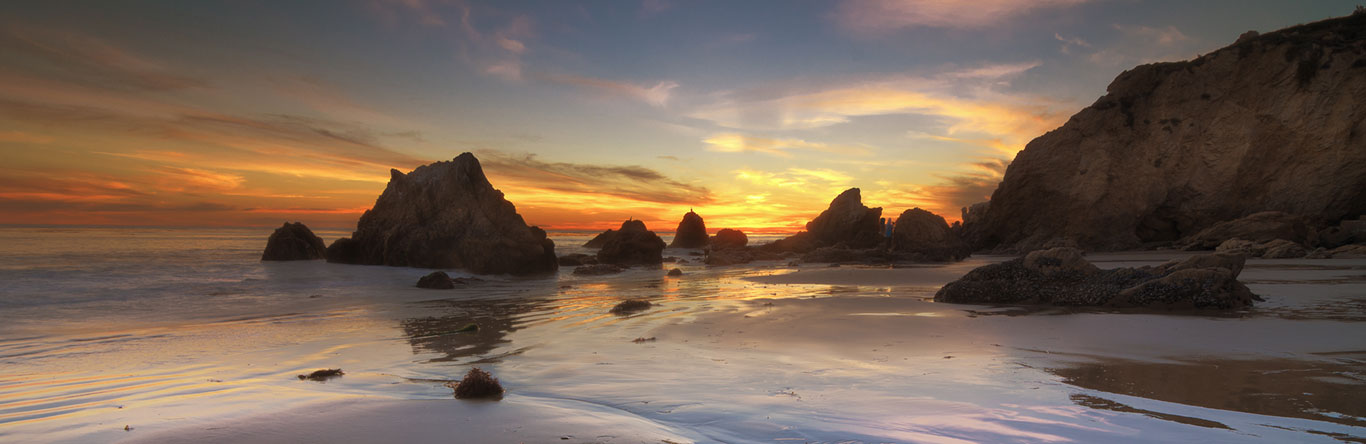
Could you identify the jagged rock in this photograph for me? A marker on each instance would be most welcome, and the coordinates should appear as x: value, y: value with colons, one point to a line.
x: 437, y: 280
x: 632, y: 244
x: 1260, y: 228
x: 597, y: 269
x: 446, y: 215
x: 1061, y: 276
x: 728, y: 238
x: 691, y: 232
x: 576, y: 259
x: 293, y: 242
x: 1283, y: 249
x: 922, y: 232
x: 1274, y: 122
x: 847, y: 221
x: 601, y: 239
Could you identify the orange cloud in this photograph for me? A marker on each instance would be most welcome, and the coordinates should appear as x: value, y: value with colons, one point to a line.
x: 880, y: 16
x: 739, y: 143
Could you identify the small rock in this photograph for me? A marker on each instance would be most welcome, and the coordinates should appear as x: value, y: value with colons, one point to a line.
x: 478, y: 384
x: 436, y: 280
x: 675, y: 272
x: 631, y: 306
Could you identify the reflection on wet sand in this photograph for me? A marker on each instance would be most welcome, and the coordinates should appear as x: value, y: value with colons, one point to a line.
x: 450, y: 336
x: 1329, y: 389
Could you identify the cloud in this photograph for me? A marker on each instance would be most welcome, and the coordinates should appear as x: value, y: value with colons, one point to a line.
x: 950, y: 193
x: 739, y: 143
x: 180, y: 179
x: 1069, y: 43
x: 657, y: 95
x: 583, y: 182
x: 498, y: 52
x: 966, y: 100
x: 23, y: 137
x: 881, y: 16
x: 84, y: 59
x: 1138, y: 44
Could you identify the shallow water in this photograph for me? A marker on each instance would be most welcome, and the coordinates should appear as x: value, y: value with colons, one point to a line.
x: 185, y: 331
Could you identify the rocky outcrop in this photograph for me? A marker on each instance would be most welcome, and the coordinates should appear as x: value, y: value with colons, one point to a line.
x: 1273, y: 122
x: 728, y: 238
x: 846, y: 223
x: 446, y: 215
x: 293, y: 242
x: 1061, y: 276
x: 632, y: 244
x: 920, y: 232
x: 1260, y: 227
x: 691, y: 232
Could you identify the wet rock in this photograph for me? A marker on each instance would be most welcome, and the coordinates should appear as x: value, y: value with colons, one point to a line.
x: 631, y: 245
x: 630, y: 306
x: 1061, y: 276
x: 294, y: 242
x: 691, y: 232
x: 927, y: 234
x: 437, y: 280
x: 675, y: 272
x: 597, y: 270
x: 322, y: 375
x: 575, y: 259
x: 728, y: 238
x: 478, y: 384
x: 446, y: 215
x: 1270, y: 123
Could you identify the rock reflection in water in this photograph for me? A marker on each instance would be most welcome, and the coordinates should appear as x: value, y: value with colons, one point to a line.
x: 1329, y: 389
x: 443, y: 334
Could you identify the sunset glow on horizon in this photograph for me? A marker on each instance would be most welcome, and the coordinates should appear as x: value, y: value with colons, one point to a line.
x: 755, y: 115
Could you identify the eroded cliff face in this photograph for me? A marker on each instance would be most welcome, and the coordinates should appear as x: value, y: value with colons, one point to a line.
x: 1272, y: 122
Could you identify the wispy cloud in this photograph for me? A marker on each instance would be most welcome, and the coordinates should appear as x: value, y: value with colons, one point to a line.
x: 1139, y: 44
x: 739, y: 143
x: 84, y: 59
x: 584, y: 181
x: 880, y: 16
x: 657, y: 95
x: 1069, y: 43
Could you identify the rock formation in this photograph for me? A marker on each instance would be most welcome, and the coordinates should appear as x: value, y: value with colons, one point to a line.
x: 923, y: 233
x: 601, y: 239
x: 1061, y: 276
x: 1273, y: 122
x: 446, y: 215
x: 632, y: 244
x: 293, y: 242
x: 1260, y: 227
x: 691, y: 232
x: 728, y: 238
x: 846, y: 223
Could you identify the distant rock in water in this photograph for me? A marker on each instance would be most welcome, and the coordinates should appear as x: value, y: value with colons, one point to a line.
x: 923, y: 233
x: 728, y: 238
x: 1061, y: 276
x: 293, y: 242
x: 632, y: 244
x: 1274, y: 122
x: 691, y: 232
x: 446, y: 215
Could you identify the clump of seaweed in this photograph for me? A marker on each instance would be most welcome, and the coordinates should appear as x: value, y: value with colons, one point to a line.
x: 630, y: 306
x: 643, y: 339
x: 322, y: 375
x: 477, y: 384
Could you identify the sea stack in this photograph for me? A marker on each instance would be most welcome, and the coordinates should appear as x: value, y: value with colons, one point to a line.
x: 446, y: 215
x: 632, y: 244
x: 691, y: 232
x: 293, y: 242
x: 922, y: 233
x: 1274, y: 122
x: 845, y: 223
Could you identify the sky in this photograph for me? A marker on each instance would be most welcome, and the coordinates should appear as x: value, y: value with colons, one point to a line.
x: 755, y: 114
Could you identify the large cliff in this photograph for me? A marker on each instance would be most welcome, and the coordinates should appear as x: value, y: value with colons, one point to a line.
x: 1273, y: 122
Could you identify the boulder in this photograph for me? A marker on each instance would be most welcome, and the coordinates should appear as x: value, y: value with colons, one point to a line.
x: 294, y: 242
x: 597, y: 269
x: 728, y: 238
x: 1275, y: 122
x: 924, y: 233
x: 436, y: 280
x: 631, y: 245
x: 576, y: 259
x: 1061, y: 276
x: 446, y: 215
x: 691, y: 232
x: 1260, y: 227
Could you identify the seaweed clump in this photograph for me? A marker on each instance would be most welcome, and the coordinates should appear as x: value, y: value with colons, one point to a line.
x: 322, y: 375
x: 478, y: 384
x: 631, y: 306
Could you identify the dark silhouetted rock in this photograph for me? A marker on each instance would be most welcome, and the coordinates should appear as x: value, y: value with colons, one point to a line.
x: 675, y: 272
x: 922, y: 232
x: 322, y: 375
x: 1260, y: 227
x: 575, y: 259
x: 1061, y: 276
x: 631, y: 245
x: 848, y: 222
x: 797, y: 243
x: 597, y: 269
x: 691, y: 232
x: 1273, y: 122
x: 446, y: 215
x: 601, y: 239
x: 436, y: 280
x: 294, y: 242
x: 631, y: 306
x: 728, y: 238
x: 478, y: 384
